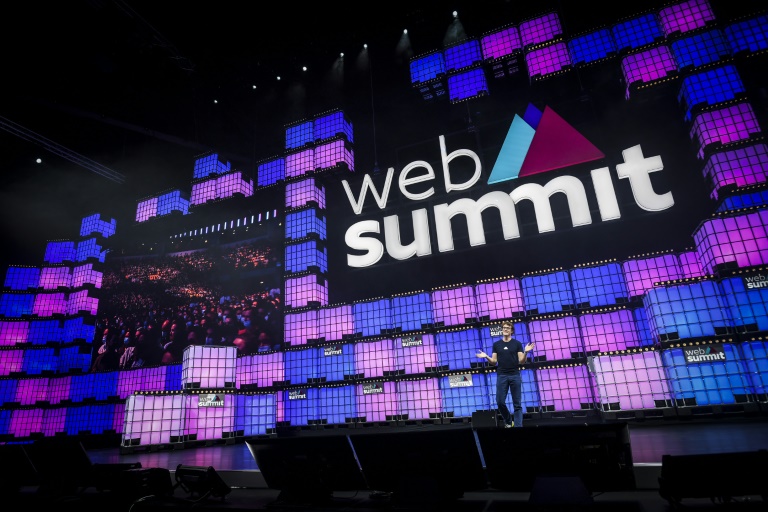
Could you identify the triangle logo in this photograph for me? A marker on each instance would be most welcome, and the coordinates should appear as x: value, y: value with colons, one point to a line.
x: 541, y: 142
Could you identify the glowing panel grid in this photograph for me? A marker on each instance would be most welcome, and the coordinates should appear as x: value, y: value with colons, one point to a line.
x: 59, y: 252
x: 743, y: 201
x: 709, y: 88
x: 608, y: 332
x: 255, y: 414
x: 592, y: 47
x: 300, y: 224
x: 209, y: 423
x: 690, y: 265
x: 85, y: 275
x: 599, y: 285
x: 45, y: 331
x: 16, y: 304
x: 453, y: 306
x: 641, y: 273
x: 301, y: 193
x: 556, y: 339
x: 462, y: 55
x: 540, y: 30
x: 299, y: 134
x: 58, y: 389
x: 21, y: 278
x: 419, y: 399
x: 77, y: 329
x: 48, y: 304
x: 38, y: 360
x: 687, y: 311
x: 465, y: 393
x: 726, y: 125
x: 13, y: 332
x: 501, y: 43
x: 335, y: 322
x: 333, y: 154
x: 269, y: 173
x: 263, y: 370
x: 457, y: 349
x: 643, y: 327
x: 54, y: 277
x: 299, y: 163
x: 637, y: 32
x: 547, y: 293
x: 500, y: 299
x: 749, y: 35
x: 412, y: 312
x: 700, y: 49
x: 89, y: 419
x: 631, y: 381
x: 647, y: 66
x: 565, y: 388
x: 209, y: 165
x: 208, y: 367
x: 300, y: 366
x: 747, y: 301
x: 332, y: 125
x: 335, y: 362
x: 416, y: 354
x: 707, y: 382
x: 89, y: 249
x: 755, y: 356
x: 300, y: 326
x: 93, y: 224
x: 304, y: 290
x: 172, y: 202
x: 425, y: 68
x: 299, y: 406
x: 372, y: 318
x: 71, y: 359
x: 547, y: 60
x: 300, y: 257
x: 81, y: 302
x: 147, y: 208
x: 25, y: 422
x: 336, y: 405
x: 685, y: 16
x: 376, y: 401
x: 739, y: 240
x: 466, y: 85
x: 373, y: 358
x: 30, y: 391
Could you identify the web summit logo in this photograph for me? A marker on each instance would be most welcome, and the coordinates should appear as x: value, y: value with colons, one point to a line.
x: 537, y: 143
x: 710, y: 353
x: 528, y: 148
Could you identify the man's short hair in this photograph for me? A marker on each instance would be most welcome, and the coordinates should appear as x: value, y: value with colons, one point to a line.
x: 508, y: 323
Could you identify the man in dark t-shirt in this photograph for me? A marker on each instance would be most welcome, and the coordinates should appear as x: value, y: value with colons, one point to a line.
x: 508, y: 354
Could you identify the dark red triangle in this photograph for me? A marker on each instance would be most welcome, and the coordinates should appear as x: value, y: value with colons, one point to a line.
x: 557, y: 144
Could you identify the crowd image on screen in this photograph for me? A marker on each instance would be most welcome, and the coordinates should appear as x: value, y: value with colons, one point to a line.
x: 155, y: 307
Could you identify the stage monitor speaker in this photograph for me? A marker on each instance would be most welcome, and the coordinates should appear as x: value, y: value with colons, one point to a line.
x: 718, y: 476
x: 201, y: 481
x: 424, y: 467
x: 307, y: 469
x: 599, y: 455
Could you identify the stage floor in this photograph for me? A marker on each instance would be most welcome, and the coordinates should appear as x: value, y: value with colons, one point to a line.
x: 650, y: 440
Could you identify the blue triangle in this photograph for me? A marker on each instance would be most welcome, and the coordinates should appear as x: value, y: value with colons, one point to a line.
x: 513, y: 151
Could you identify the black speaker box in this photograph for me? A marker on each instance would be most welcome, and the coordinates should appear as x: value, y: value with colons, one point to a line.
x: 485, y: 419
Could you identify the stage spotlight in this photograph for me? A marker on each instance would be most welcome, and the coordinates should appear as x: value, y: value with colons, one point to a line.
x: 201, y: 481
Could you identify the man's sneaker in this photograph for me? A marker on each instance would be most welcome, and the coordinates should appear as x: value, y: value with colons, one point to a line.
x: 509, y: 425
